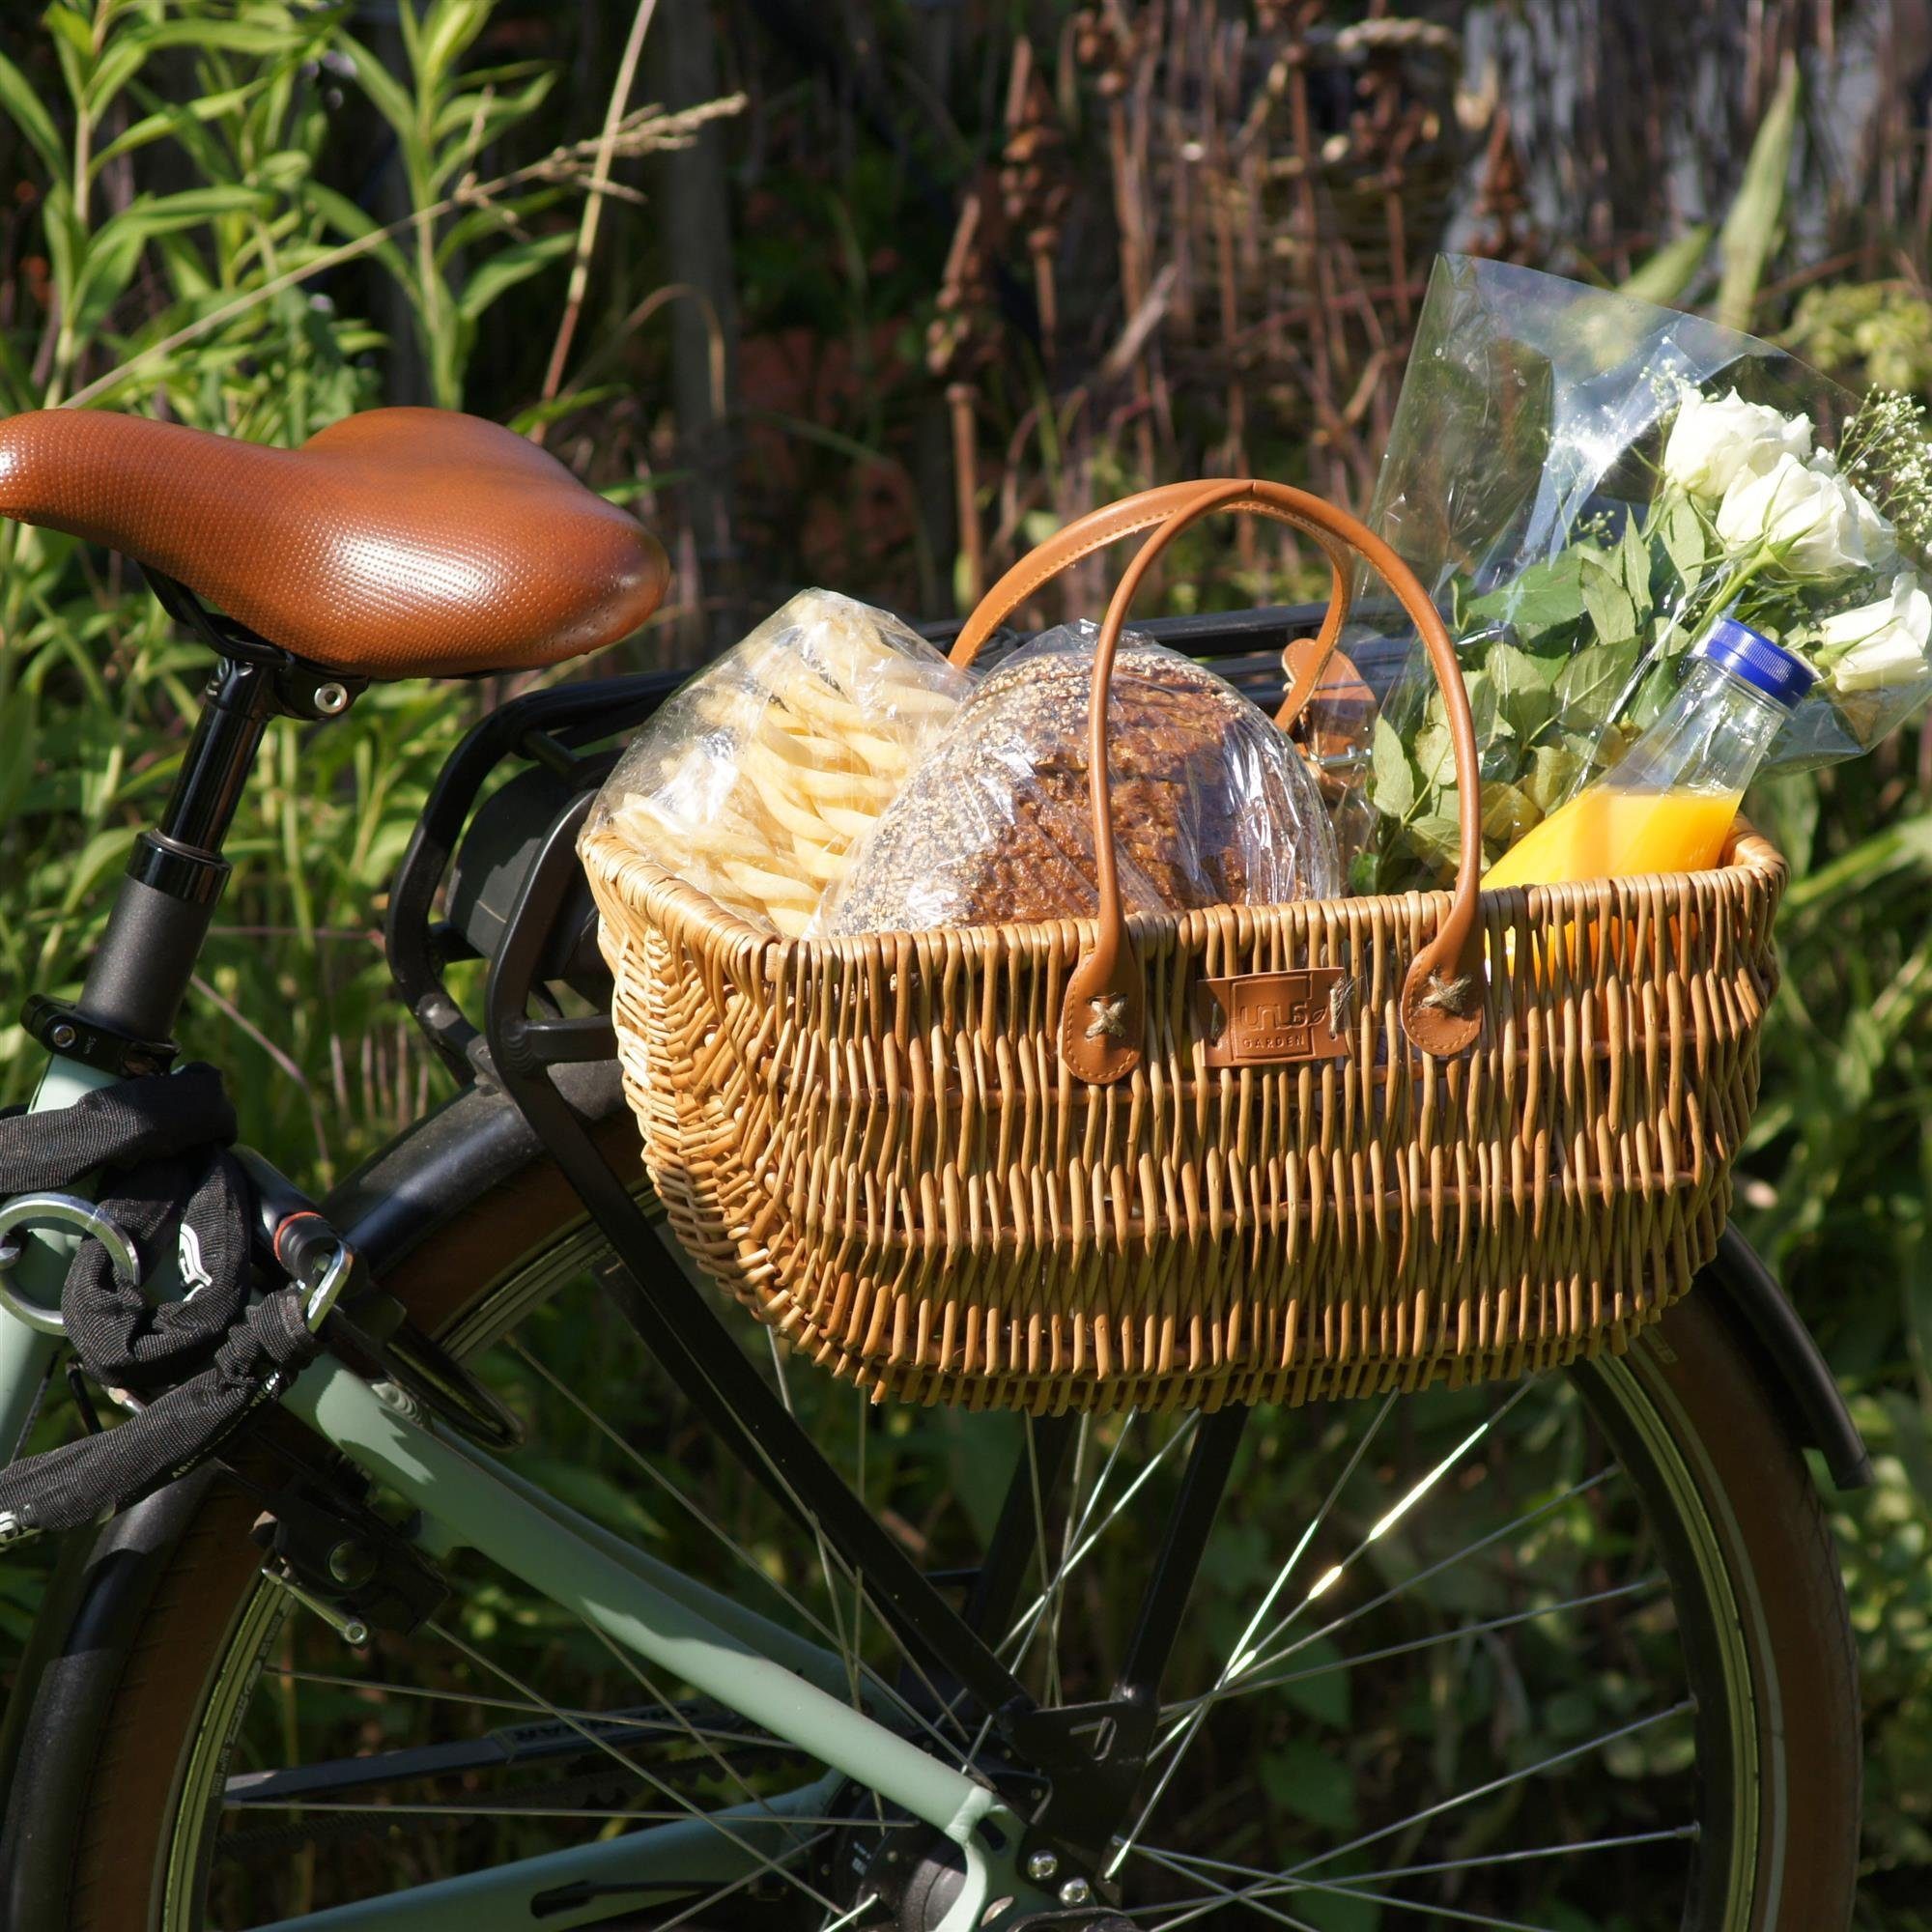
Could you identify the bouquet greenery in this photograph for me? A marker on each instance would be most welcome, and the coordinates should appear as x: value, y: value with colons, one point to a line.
x: 1585, y: 483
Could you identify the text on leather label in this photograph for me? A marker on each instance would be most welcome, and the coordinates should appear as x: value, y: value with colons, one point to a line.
x: 1259, y: 1019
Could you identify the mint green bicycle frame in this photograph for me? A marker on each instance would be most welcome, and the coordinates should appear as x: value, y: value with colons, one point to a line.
x: 767, y: 1674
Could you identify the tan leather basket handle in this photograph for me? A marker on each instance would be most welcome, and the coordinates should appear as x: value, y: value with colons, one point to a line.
x: 1112, y: 522
x: 1103, y: 1014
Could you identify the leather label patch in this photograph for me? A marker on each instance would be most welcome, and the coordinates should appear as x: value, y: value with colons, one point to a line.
x: 1263, y: 1019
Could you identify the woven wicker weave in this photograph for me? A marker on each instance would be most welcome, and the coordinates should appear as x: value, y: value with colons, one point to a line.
x: 882, y: 1147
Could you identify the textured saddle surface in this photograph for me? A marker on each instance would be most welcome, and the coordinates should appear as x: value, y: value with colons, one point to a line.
x: 397, y: 543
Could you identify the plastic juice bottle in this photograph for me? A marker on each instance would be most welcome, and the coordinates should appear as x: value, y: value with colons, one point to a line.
x: 1669, y: 805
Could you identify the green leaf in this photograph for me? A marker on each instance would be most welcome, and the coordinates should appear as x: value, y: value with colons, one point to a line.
x: 1552, y: 777
x: 448, y: 30
x: 176, y: 119
x: 116, y: 245
x: 1589, y: 684
x: 124, y: 58
x: 1612, y: 611
x: 1485, y: 707
x: 1682, y: 531
x: 1525, y: 687
x: 1438, y: 835
x: 355, y: 224
x: 1310, y: 1782
x: 1750, y: 229
x: 1394, y: 778
x: 386, y: 93
x: 287, y: 40
x: 25, y: 108
x: 1666, y: 277
x: 71, y: 32
x: 1508, y: 812
x: 508, y: 266
x: 1542, y: 598
x: 477, y: 120
x: 1436, y: 754
x: 1324, y: 1693
x: 1634, y: 561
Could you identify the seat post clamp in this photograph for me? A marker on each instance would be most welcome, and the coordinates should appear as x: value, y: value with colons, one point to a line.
x: 63, y: 1028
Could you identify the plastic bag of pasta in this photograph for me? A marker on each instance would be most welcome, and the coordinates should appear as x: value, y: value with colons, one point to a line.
x: 1212, y: 805
x: 756, y: 779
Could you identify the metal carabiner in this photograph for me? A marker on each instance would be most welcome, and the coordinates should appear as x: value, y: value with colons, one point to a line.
x: 327, y: 1288
x: 70, y: 1210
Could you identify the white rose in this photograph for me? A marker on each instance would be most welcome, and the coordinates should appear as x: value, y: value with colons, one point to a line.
x: 1805, y: 515
x: 1716, y: 440
x: 1885, y: 642
x: 1875, y: 532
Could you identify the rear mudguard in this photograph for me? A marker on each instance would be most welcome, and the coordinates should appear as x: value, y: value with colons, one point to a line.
x: 403, y: 1197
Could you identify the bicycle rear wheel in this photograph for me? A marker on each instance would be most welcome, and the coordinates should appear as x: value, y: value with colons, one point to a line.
x: 1567, y: 1656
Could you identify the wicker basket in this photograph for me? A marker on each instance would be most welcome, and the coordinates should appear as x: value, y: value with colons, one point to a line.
x: 1250, y: 1154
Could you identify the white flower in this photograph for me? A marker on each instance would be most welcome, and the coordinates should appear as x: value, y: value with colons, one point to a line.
x: 1885, y: 642
x: 1716, y: 440
x: 1875, y: 532
x: 1805, y: 515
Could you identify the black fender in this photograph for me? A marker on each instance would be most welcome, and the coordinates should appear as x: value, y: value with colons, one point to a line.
x: 403, y: 1196
x: 1789, y: 1363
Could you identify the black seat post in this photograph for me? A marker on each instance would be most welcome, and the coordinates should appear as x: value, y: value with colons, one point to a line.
x: 140, y: 971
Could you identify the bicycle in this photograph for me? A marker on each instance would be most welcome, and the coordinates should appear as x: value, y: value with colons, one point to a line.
x: 875, y: 1667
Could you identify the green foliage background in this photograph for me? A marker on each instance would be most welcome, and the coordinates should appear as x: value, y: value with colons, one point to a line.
x: 187, y: 230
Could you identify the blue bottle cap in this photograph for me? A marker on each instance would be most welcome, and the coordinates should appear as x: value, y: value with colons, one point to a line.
x: 1752, y: 656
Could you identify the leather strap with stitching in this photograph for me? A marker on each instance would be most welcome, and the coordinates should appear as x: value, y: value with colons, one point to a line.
x: 1112, y: 522
x: 1103, y: 1013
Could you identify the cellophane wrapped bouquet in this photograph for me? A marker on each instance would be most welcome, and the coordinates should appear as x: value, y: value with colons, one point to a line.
x: 1584, y: 482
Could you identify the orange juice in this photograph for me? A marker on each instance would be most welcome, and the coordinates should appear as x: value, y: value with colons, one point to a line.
x: 1607, y: 833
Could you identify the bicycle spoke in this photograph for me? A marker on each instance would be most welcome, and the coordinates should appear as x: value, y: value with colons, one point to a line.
x: 1266, y: 1884
x: 1435, y: 1568
x: 1029, y: 1618
x: 1330, y: 1577
x: 722, y: 1892
x: 1253, y: 1897
x: 1051, y: 1622
x: 1251, y: 1686
x: 828, y: 1557
x: 848, y: 1651
x: 623, y: 1719
x: 1030, y: 1621
x: 1565, y: 1756
x: 1240, y: 1656
x: 1480, y: 1863
x: 1057, y: 1590
x: 818, y: 1623
x: 1388, y: 1596
x: 411, y: 1808
x: 711, y: 1751
x: 636, y: 1769
x: 852, y: 1917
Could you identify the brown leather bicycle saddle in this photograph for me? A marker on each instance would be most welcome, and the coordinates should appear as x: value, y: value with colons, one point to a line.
x: 396, y: 543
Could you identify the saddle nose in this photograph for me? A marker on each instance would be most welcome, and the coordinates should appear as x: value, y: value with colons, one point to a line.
x: 396, y: 543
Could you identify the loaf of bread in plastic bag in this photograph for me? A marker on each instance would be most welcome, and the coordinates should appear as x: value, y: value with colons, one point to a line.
x: 1212, y: 805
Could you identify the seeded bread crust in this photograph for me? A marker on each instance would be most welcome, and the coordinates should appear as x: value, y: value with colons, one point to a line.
x: 995, y: 824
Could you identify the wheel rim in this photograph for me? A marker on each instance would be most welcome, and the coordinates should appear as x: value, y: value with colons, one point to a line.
x: 1655, y: 1453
